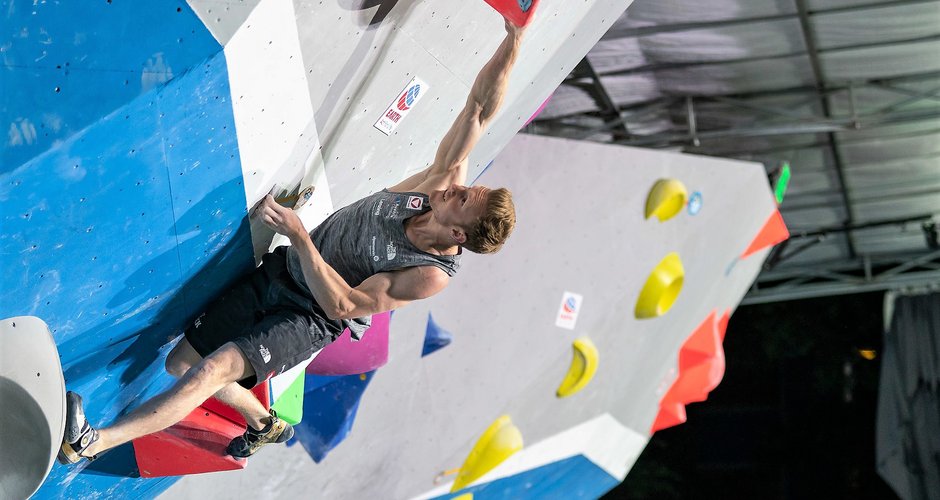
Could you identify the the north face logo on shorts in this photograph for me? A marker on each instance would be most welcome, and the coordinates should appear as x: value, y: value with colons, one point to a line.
x: 265, y: 353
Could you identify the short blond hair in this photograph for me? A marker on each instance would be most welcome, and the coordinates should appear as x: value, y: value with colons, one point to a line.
x: 494, y: 227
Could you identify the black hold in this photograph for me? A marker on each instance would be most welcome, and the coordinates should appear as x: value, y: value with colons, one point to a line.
x: 57, y: 90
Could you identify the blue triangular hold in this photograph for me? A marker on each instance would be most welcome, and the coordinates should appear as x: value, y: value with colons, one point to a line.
x: 330, y: 406
x: 435, y: 337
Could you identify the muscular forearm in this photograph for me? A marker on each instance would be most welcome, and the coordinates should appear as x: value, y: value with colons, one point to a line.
x: 329, y: 289
x: 489, y: 88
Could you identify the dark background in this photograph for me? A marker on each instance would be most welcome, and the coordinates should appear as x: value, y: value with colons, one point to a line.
x: 793, y: 418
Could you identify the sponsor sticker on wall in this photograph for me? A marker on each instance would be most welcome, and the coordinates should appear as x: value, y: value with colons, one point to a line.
x: 401, y: 106
x: 568, y: 310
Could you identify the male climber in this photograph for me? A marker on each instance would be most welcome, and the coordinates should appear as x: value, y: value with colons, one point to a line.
x: 377, y: 254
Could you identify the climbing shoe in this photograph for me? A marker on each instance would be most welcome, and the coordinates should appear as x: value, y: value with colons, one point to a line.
x: 79, y: 434
x: 276, y: 431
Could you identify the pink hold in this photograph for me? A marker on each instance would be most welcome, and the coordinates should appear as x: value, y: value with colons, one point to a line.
x: 346, y: 357
x: 538, y: 111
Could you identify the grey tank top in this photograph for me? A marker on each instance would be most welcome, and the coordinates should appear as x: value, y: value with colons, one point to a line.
x: 368, y: 237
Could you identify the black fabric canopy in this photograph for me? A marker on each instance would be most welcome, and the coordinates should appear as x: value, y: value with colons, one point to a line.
x: 908, y: 420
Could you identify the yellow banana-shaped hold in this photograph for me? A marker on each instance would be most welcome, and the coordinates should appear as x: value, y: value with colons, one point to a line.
x: 500, y: 440
x: 581, y: 371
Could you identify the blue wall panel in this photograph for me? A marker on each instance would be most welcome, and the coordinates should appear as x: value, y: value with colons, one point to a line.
x: 118, y: 227
x: 575, y: 477
x: 66, y: 64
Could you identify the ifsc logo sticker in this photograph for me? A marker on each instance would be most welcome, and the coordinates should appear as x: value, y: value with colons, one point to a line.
x: 401, y: 105
x: 568, y: 310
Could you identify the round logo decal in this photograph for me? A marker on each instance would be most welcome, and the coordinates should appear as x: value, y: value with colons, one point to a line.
x: 569, y: 305
x: 409, y: 97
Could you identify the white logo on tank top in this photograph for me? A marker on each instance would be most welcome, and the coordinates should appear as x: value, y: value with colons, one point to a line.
x: 264, y: 352
x: 390, y: 251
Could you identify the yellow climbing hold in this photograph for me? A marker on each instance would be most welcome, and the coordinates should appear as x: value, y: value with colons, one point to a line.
x: 500, y: 440
x: 666, y: 199
x: 465, y: 496
x: 582, y: 369
x: 661, y: 289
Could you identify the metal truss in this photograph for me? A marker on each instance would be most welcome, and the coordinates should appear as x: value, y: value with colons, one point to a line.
x: 841, y: 278
x: 700, y: 125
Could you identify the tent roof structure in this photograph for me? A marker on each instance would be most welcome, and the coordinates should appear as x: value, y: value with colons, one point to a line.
x: 847, y: 92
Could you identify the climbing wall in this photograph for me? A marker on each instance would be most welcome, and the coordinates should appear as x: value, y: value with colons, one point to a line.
x: 137, y: 135
x: 581, y: 230
x: 310, y: 80
x: 121, y: 197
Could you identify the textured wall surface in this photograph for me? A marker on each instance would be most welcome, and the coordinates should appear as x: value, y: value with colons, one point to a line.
x: 581, y: 229
x: 122, y: 198
x: 138, y: 135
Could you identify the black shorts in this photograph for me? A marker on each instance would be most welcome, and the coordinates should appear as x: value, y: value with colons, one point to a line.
x: 274, y: 322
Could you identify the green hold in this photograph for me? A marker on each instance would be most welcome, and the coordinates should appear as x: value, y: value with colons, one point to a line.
x: 781, y: 188
x: 290, y: 406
